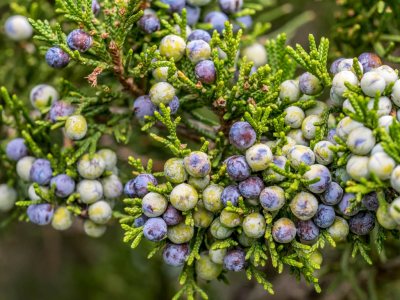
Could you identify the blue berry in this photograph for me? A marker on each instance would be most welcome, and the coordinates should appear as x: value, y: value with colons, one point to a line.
x: 174, y: 105
x: 143, y: 107
x: 40, y: 214
x: 331, y: 136
x: 323, y: 175
x: 205, y: 71
x: 307, y: 231
x: 325, y: 216
x: 345, y: 204
x: 64, y: 184
x: 57, y: 58
x: 237, y: 168
x: 155, y: 229
x: 172, y: 216
x: 235, y: 260
x: 251, y: 187
x: 175, y: 5
x: 230, y: 6
x: 283, y: 231
x: 129, y: 188
x: 192, y: 14
x: 60, y: 109
x: 217, y: 20
x: 95, y: 7
x: 149, y: 23
x: 175, y: 255
x: 16, y: 149
x: 41, y: 171
x: 197, y: 164
x: 370, y: 201
x: 333, y: 194
x: 230, y: 193
x: 199, y: 34
x: 369, y: 61
x: 141, y: 182
x: 272, y: 198
x: 310, y: 84
x: 244, y: 22
x: 139, y: 221
x: 335, y: 66
x: 280, y: 162
x: 242, y: 135
x: 80, y: 40
x: 362, y: 223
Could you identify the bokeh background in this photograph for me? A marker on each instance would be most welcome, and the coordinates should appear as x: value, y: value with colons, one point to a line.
x: 41, y: 263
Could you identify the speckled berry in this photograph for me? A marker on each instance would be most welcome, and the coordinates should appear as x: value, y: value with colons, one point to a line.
x: 217, y: 255
x: 294, y: 116
x: 175, y: 255
x: 184, y: 197
x: 345, y: 126
x: 76, y: 127
x: 255, y: 53
x: 41, y: 171
x: 300, y: 154
x: 333, y: 194
x: 174, y: 170
x: 283, y: 231
x: 192, y: 14
x: 357, y: 167
x: 64, y: 185
x: 172, y: 216
x: 60, y: 109
x: 370, y: 201
x: 206, y: 269
x: 180, y: 233
x: 155, y: 229
x: 199, y: 183
x: 205, y: 72
x: 162, y: 92
x: 387, y: 73
x: 369, y: 61
x: 40, y: 214
x: 154, y: 204
x: 384, y: 107
x: 372, y: 84
x: 91, y: 167
x: 272, y: 198
x: 251, y: 187
x: 198, y: 50
x: 62, y: 218
x: 280, y: 162
x: 347, y: 65
x: 325, y: 216
x: 141, y: 183
x: 309, y: 84
x: 212, y: 198
x: 345, y: 205
x: 381, y: 165
x: 89, y: 191
x: 35, y: 196
x: 235, y: 260
x: 16, y: 149
x: 258, y: 157
x: 242, y: 135
x: 334, y: 68
x: 80, y: 40
x: 384, y: 219
x: 43, y: 96
x: 100, y: 212
x: 57, y: 58
x: 289, y: 90
x: 307, y: 231
x: 338, y: 82
x: 230, y: 6
x: 230, y: 194
x: 202, y: 217
x: 339, y: 230
x: 220, y: 231
x: 323, y: 175
x: 172, y: 46
x: 304, y: 205
x: 254, y: 225
x: 197, y: 164
x: 230, y: 219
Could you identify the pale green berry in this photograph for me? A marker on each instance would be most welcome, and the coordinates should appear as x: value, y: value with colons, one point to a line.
x: 91, y: 168
x: 32, y: 193
x: 388, y: 74
x: 24, y: 166
x: 309, y: 126
x: 254, y: 225
x: 289, y: 89
x: 162, y: 92
x: 8, y: 196
x: 381, y: 165
x: 280, y: 162
x: 76, y: 127
x: 361, y: 141
x: 62, y: 219
x: 394, y: 210
x: 384, y: 218
x: 184, y: 197
x: 395, y: 179
x: 294, y: 116
x: 202, y: 217
x: 244, y: 240
x: 258, y: 157
x: 339, y: 230
x: 230, y: 219
x: 298, y: 137
x: 212, y: 198
x: 199, y: 183
x: 154, y: 204
x: 217, y: 255
x: 206, y: 269
x: 100, y: 212
x: 112, y: 187
x: 172, y: 46
x: 316, y: 258
x: 357, y: 167
x: 94, y: 230
x: 347, y: 65
x: 396, y: 93
x: 318, y: 109
x: 89, y: 191
x: 347, y: 106
x: 289, y: 144
x: 338, y: 82
x: 174, y: 170
x: 180, y: 233
x: 345, y: 126
x: 220, y: 231
x: 43, y: 96
x: 372, y: 83
x: 384, y: 106
x: 377, y: 148
x: 161, y: 74
x: 255, y: 53
x: 323, y: 153
x: 304, y: 205
x: 109, y: 157
x: 385, y: 122
x: 300, y: 154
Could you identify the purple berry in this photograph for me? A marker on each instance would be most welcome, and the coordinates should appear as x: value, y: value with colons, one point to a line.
x: 331, y: 136
x: 362, y: 223
x: 40, y: 214
x: 333, y: 194
x: 143, y: 107
x: 230, y: 6
x: 79, y: 40
x: 129, y: 189
x: 309, y: 84
x: 64, y: 184
x: 235, y: 260
x: 345, y: 203
x: 172, y: 216
x: 217, y: 20
x: 41, y: 171
x: 141, y: 182
x: 155, y: 229
x: 369, y: 61
x: 323, y: 175
x: 370, y: 201
x: 95, y: 7
x: 60, y: 109
x: 139, y: 221
x: 175, y: 5
x: 16, y: 149
x: 242, y: 135
x: 334, y: 66
x: 237, y: 168
x: 244, y: 22
x: 174, y: 105
x: 199, y: 34
x: 175, y: 255
x: 272, y: 198
x: 149, y: 23
x: 192, y: 14
x: 284, y: 230
x: 325, y: 216
x: 307, y: 231
x: 57, y: 58
x: 205, y: 71
x: 197, y: 164
x: 230, y: 193
x: 251, y: 187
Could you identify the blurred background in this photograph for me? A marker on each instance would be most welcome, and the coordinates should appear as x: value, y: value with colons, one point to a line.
x: 41, y: 263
